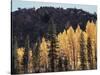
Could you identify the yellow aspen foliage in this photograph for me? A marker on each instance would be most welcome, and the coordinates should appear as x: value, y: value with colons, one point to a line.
x: 71, y: 54
x: 62, y: 39
x: 77, y: 47
x: 91, y: 31
x: 30, y: 61
x: 20, y: 54
x: 43, y: 55
x: 69, y: 50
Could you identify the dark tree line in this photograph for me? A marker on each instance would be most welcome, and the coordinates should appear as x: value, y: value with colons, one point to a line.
x: 36, y: 21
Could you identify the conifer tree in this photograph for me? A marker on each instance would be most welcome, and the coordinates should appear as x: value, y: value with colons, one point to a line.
x: 36, y: 59
x: 14, y: 55
x: 27, y: 47
x: 83, y: 51
x: 90, y: 56
x: 53, y: 52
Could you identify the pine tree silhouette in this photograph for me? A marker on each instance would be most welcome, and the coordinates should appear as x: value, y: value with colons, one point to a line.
x: 25, y: 60
x: 53, y: 52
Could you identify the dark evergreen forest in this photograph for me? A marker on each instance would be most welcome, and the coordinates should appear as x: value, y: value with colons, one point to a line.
x: 36, y: 22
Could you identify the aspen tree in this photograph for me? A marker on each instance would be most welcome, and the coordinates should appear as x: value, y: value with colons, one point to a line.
x: 30, y: 61
x: 20, y: 54
x: 91, y: 31
x: 71, y: 49
x: 77, y: 47
x: 43, y: 56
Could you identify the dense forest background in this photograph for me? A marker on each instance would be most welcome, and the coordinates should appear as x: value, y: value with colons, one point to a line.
x: 51, y: 39
x: 36, y: 22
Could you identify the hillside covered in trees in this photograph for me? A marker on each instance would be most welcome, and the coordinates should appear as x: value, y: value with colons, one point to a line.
x: 37, y: 21
x: 51, y: 39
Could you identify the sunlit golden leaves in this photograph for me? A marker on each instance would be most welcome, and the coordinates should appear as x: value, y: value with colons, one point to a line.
x: 20, y: 53
x: 77, y: 46
x: 30, y: 61
x: 43, y: 53
x: 91, y: 29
